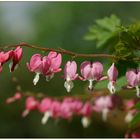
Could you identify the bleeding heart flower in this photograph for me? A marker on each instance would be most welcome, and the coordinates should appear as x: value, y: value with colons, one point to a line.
x: 55, y: 109
x: 55, y: 63
x: 133, y: 78
x: 14, y: 98
x: 91, y: 72
x: 47, y: 65
x: 76, y: 106
x: 16, y: 57
x: 66, y: 110
x: 130, y: 112
x: 86, y: 111
x: 112, y: 76
x: 45, y: 107
x: 38, y: 65
x: 70, y: 75
x: 4, y: 57
x: 30, y: 104
x: 103, y: 104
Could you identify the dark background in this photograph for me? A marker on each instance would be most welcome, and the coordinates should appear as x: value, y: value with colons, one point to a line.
x: 54, y: 24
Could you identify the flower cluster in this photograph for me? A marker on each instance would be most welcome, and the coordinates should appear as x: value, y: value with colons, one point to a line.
x: 92, y: 72
x: 14, y: 55
x: 69, y: 107
x: 105, y: 104
x: 47, y: 65
x: 59, y: 109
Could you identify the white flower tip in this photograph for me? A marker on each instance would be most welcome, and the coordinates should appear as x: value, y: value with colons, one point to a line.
x: 36, y: 78
x: 25, y: 113
x: 45, y: 118
x: 90, y: 87
x: 104, y: 114
x: 85, y: 122
x: 111, y: 88
x: 68, y: 85
x: 137, y: 91
x: 48, y: 78
x: 10, y: 66
x: 128, y: 117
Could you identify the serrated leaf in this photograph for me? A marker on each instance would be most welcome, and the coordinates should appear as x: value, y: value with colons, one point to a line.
x: 103, y: 30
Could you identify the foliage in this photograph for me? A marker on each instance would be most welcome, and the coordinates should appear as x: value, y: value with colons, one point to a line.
x: 110, y: 34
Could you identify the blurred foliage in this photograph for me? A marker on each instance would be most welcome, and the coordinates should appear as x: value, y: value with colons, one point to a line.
x: 136, y: 119
x: 63, y: 24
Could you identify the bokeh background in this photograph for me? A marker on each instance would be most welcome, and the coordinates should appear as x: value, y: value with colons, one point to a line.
x: 53, y: 24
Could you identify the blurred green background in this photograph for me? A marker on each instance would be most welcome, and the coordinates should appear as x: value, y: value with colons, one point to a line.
x: 53, y: 24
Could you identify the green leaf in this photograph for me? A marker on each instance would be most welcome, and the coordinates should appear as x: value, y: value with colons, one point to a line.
x: 103, y: 30
x: 136, y: 106
x: 135, y: 120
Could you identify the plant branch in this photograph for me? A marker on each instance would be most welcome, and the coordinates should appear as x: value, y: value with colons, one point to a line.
x: 70, y: 53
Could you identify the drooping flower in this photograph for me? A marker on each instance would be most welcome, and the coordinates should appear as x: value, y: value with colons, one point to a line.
x: 91, y: 72
x: 66, y: 110
x: 103, y: 104
x: 16, y: 57
x: 130, y: 112
x: 55, y: 63
x: 133, y: 79
x: 112, y: 76
x: 47, y: 65
x: 38, y: 65
x: 86, y: 111
x: 45, y: 108
x: 14, y: 98
x: 4, y: 57
x: 77, y: 105
x: 70, y: 75
x: 30, y: 104
x: 55, y: 109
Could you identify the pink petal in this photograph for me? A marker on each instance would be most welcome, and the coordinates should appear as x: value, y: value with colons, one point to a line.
x: 17, y: 54
x: 52, y: 54
x: 112, y: 73
x: 46, y: 65
x: 131, y: 78
x: 45, y: 105
x: 97, y: 70
x: 70, y: 69
x: 56, y: 62
x: 35, y: 63
x: 85, y: 69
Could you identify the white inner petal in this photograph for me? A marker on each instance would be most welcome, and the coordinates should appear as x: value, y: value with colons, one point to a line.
x: 46, y: 117
x: 90, y: 84
x: 111, y: 87
x: 137, y: 91
x: 85, y: 122
x: 104, y: 114
x: 48, y: 78
x: 68, y: 84
x: 10, y: 66
x: 36, y: 78
x: 25, y: 113
x: 128, y: 117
